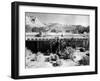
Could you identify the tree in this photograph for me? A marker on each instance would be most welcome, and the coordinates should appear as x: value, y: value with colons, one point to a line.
x: 53, y: 30
x: 28, y: 29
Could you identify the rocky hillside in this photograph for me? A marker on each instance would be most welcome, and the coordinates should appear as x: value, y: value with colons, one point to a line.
x: 33, y: 24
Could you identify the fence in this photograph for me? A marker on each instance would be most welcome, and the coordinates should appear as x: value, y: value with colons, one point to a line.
x: 52, y: 45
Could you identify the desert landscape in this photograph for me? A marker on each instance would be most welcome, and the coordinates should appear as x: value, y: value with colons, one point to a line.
x: 55, y: 44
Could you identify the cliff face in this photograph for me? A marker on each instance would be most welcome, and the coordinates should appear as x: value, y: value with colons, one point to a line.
x: 34, y: 22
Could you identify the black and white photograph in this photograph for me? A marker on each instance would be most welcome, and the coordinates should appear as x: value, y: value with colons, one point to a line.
x: 50, y: 40
x: 56, y: 40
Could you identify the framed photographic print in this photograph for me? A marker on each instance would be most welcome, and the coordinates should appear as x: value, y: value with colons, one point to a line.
x: 50, y: 40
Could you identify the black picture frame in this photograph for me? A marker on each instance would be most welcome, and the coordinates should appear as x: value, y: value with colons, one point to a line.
x: 15, y: 39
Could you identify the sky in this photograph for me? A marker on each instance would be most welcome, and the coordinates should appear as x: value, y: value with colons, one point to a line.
x: 69, y: 19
